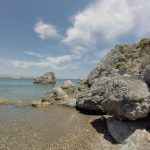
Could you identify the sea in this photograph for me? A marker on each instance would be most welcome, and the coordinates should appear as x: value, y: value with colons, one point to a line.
x: 29, y: 128
x: 25, y: 89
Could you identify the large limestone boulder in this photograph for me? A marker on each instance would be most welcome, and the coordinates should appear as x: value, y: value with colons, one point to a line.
x: 123, y: 97
x: 68, y: 86
x: 48, y: 77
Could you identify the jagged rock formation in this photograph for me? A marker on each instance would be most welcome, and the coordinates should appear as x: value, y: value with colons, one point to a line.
x: 126, y: 58
x: 115, y: 85
x: 122, y: 97
x: 48, y: 77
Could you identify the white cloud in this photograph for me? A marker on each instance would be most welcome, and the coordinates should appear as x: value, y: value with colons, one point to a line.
x: 57, y: 62
x: 60, y: 59
x: 45, y: 30
x: 108, y: 20
x: 33, y: 54
x: 141, y: 11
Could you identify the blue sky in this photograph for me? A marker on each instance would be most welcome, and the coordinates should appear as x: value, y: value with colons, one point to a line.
x: 66, y: 36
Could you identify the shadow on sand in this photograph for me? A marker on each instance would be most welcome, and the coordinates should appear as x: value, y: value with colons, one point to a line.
x: 120, y: 130
x: 101, y: 127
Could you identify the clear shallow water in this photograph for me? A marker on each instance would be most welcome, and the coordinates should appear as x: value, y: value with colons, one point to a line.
x: 27, y: 128
x: 25, y: 89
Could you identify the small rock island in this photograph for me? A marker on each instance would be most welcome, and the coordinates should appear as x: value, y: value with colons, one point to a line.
x: 48, y: 77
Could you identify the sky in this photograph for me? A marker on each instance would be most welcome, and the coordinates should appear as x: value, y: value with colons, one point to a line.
x: 68, y: 37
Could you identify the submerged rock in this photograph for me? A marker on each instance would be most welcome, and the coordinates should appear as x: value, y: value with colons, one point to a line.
x: 125, y: 98
x: 41, y: 104
x: 48, y: 77
x: 4, y: 101
x: 14, y: 102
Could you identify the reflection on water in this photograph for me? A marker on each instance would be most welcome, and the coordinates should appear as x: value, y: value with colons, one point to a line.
x: 33, y: 128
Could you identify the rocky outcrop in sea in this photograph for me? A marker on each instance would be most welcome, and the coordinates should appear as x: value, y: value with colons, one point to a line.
x: 48, y: 77
x: 65, y: 95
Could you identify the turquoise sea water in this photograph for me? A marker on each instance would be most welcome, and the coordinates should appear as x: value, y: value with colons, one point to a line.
x: 25, y: 89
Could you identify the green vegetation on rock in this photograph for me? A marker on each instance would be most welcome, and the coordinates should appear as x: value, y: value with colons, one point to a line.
x: 144, y: 42
x: 120, y: 64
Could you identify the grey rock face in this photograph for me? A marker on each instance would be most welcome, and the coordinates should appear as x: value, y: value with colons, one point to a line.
x: 146, y: 74
x: 82, y: 89
x: 122, y: 97
x: 121, y: 131
x: 46, y: 78
x: 126, y: 58
x: 131, y: 134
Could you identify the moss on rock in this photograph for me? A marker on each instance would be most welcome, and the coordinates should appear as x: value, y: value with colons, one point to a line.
x: 120, y: 64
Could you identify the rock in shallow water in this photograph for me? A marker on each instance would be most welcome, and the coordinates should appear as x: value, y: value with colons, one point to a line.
x: 41, y: 104
x: 55, y: 94
x: 125, y: 98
